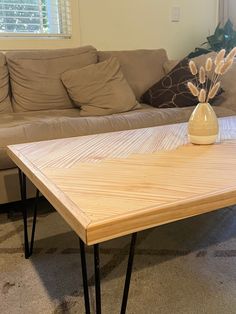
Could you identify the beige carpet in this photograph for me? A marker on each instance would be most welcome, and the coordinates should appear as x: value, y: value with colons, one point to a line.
x: 184, y: 267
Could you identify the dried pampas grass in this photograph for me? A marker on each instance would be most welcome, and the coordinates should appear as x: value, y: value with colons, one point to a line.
x: 220, y: 56
x: 193, y: 67
x: 219, y: 67
x: 231, y: 55
x: 208, y: 65
x: 202, y: 95
x: 202, y: 75
x: 193, y: 89
x: 216, y: 69
x: 227, y: 65
x: 213, y: 91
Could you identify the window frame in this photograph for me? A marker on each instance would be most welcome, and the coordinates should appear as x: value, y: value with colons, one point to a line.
x: 44, y: 41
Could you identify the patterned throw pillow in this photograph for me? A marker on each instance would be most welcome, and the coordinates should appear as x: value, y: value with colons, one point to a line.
x: 172, y: 91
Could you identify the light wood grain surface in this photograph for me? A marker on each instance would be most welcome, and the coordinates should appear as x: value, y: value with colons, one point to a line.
x: 109, y: 185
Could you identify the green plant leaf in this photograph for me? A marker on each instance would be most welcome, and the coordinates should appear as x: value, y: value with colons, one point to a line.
x: 217, y: 30
x: 228, y: 28
x: 223, y: 37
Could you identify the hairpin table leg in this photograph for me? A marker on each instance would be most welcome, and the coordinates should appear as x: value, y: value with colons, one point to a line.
x: 128, y: 274
x: 28, y: 246
x: 97, y: 279
x: 85, y: 277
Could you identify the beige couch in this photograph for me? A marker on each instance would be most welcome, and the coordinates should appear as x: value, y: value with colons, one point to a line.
x: 39, y: 107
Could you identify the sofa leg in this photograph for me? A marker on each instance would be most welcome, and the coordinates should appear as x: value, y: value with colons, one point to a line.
x: 28, y: 246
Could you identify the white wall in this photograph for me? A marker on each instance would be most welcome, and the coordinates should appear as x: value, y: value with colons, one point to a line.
x: 232, y: 11
x: 131, y: 24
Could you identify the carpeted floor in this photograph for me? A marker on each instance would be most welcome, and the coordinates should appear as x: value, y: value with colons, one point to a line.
x: 184, y: 267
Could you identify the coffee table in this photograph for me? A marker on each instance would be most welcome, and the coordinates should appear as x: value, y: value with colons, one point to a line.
x: 109, y: 185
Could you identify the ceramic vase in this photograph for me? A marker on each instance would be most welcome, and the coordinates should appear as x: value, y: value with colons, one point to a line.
x: 203, y: 127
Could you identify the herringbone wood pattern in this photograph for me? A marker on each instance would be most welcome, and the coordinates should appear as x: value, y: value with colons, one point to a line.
x: 113, y: 184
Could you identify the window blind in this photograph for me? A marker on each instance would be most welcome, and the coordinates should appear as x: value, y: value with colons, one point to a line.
x: 35, y: 18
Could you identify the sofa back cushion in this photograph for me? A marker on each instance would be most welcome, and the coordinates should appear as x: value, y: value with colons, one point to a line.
x: 200, y: 60
x: 5, y: 102
x: 35, y: 76
x: 141, y: 68
x: 229, y: 86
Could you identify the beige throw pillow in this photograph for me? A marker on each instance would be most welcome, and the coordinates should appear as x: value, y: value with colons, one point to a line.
x: 36, y: 76
x: 100, y: 89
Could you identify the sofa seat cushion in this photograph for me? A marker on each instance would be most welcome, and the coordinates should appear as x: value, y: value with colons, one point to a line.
x: 142, y: 68
x: 36, y: 76
x: 5, y: 102
x: 26, y: 127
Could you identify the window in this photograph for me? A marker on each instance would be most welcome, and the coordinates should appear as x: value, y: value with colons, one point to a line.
x: 35, y: 18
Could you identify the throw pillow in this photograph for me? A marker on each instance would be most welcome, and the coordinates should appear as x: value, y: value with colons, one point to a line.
x: 172, y: 91
x: 100, y: 89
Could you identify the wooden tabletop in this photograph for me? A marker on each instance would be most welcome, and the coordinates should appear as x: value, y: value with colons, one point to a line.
x: 109, y: 185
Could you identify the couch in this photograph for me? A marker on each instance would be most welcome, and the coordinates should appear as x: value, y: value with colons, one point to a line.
x: 34, y: 105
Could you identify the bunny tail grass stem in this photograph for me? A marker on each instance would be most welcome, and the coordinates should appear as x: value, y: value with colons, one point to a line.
x: 213, y: 91
x: 202, y: 95
x: 202, y: 75
x: 231, y: 55
x: 220, y: 56
x: 193, y: 67
x: 208, y: 68
x: 226, y: 66
x: 208, y: 65
x: 193, y: 89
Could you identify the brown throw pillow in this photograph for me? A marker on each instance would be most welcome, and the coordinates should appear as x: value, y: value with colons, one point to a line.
x: 172, y: 91
x: 100, y: 89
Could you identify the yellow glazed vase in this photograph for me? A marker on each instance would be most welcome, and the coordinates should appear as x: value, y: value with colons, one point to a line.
x: 203, y: 127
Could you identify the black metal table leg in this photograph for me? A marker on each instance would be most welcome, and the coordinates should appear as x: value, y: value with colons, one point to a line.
x: 34, y: 221
x: 28, y: 246
x: 22, y: 179
x: 97, y: 279
x: 85, y: 277
x: 128, y: 274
